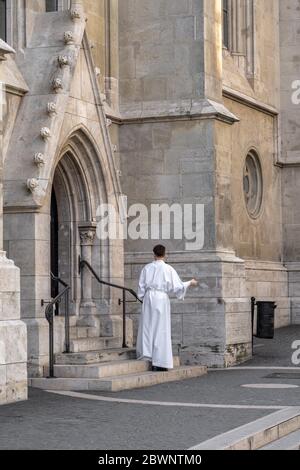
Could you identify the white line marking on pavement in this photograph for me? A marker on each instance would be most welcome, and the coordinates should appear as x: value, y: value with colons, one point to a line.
x: 249, y: 430
x: 86, y: 396
x: 270, y: 386
x: 215, y: 369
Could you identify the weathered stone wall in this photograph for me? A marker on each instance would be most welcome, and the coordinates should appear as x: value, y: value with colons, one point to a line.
x: 258, y: 238
x: 290, y: 151
x: 163, y: 60
x: 254, y: 100
x: 161, y: 51
x: 255, y: 70
x: 13, y: 337
x: 166, y: 159
x: 78, y: 126
x: 268, y: 281
x: 167, y: 150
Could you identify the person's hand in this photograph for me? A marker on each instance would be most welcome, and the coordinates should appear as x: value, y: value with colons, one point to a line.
x: 194, y: 283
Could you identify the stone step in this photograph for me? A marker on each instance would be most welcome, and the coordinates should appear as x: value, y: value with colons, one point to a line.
x: 96, y: 357
x: 115, y: 384
x: 79, y: 332
x: 258, y: 434
x: 98, y: 371
x: 94, y: 344
x: 289, y: 442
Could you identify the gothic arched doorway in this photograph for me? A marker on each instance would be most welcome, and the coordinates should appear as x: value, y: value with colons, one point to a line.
x: 70, y: 209
x: 78, y: 188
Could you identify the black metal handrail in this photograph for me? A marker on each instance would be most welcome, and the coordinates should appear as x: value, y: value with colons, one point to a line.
x: 83, y: 263
x: 67, y: 311
x: 49, y: 313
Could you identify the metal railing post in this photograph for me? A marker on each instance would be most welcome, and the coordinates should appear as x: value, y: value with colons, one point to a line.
x: 253, y: 303
x: 51, y: 345
x: 49, y: 313
x: 124, y: 319
x: 67, y: 323
x: 83, y: 263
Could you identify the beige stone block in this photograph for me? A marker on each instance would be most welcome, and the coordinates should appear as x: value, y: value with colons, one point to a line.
x: 2, y: 382
x: 10, y: 306
x: 9, y: 278
x: 16, y: 387
x: 13, y: 342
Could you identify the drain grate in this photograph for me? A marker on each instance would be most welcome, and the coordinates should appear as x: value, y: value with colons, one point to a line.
x: 284, y: 375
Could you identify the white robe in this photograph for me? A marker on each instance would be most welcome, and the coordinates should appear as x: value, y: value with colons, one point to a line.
x: 154, y: 342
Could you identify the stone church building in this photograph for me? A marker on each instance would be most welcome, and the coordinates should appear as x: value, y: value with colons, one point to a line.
x: 164, y: 101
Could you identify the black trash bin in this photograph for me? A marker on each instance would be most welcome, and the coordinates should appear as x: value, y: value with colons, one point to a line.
x: 265, y: 319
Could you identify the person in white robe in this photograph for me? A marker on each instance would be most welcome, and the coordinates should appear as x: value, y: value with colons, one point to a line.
x: 157, y: 281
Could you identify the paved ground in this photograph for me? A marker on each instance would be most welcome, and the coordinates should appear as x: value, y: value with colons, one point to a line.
x: 278, y: 351
x: 201, y: 408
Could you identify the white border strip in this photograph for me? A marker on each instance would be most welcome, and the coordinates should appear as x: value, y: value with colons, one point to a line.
x: 216, y: 369
x: 258, y: 427
x: 86, y: 396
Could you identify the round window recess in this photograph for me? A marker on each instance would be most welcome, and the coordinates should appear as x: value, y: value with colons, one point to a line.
x: 253, y: 184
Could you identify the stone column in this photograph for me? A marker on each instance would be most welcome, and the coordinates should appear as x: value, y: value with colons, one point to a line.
x: 13, y: 338
x: 87, y: 233
x: 111, y: 53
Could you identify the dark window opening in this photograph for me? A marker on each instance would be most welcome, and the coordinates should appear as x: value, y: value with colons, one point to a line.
x: 51, y: 5
x: 225, y: 15
x: 3, y: 19
x: 54, y: 244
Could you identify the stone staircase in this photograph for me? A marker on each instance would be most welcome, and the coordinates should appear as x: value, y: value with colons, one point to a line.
x: 289, y: 442
x: 277, y: 431
x: 99, y: 364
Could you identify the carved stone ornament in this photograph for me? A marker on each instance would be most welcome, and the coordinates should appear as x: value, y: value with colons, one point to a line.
x: 115, y: 148
x: 75, y: 14
x: 57, y: 84
x: 63, y: 60
x: 51, y: 108
x: 108, y: 122
x: 45, y: 133
x: 39, y: 159
x: 69, y: 37
x: 5, y: 49
x: 87, y: 237
x: 32, y: 184
x: 4, y: 259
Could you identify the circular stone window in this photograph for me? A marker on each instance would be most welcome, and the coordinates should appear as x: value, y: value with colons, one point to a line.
x: 253, y: 184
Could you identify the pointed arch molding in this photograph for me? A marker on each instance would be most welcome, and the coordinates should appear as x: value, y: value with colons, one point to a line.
x: 89, y: 166
x: 28, y: 186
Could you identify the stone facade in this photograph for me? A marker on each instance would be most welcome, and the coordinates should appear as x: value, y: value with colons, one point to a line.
x: 290, y: 149
x: 142, y: 98
x: 13, y: 337
x: 192, y: 112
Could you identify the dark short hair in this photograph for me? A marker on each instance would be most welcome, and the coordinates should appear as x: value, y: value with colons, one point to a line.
x: 159, y: 251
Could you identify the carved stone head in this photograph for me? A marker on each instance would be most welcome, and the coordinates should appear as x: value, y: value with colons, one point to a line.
x: 45, y: 133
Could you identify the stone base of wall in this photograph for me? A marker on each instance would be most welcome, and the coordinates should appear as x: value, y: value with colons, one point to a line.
x: 213, y: 326
x: 13, y: 383
x: 294, y: 291
x: 237, y: 354
x: 267, y: 281
x: 38, y: 342
x: 13, y: 336
x: 295, y: 311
